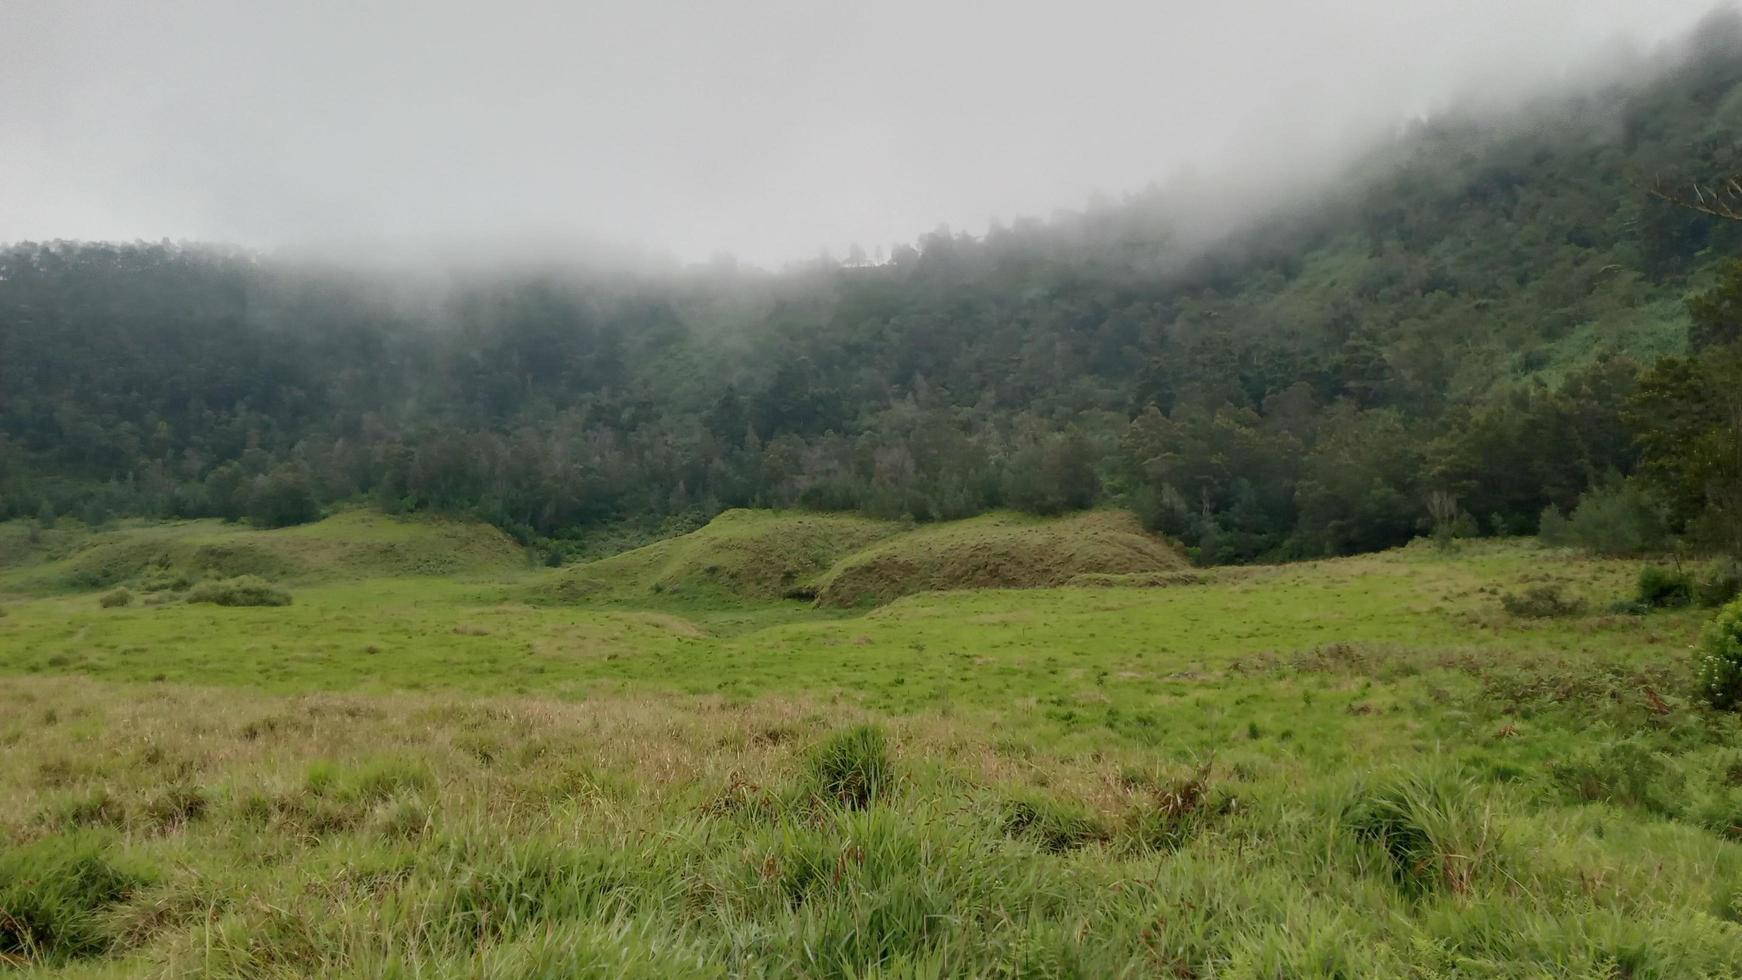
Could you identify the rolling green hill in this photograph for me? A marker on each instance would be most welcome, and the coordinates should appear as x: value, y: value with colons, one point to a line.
x: 843, y: 561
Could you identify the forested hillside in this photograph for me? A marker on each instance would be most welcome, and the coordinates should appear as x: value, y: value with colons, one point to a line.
x: 1485, y: 319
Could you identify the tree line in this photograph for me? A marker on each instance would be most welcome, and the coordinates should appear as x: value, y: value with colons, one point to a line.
x: 1488, y: 327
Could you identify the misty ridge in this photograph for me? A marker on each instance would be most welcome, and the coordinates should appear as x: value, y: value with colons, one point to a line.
x: 1292, y: 358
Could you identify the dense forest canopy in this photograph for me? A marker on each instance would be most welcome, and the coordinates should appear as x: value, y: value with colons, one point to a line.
x: 1485, y: 323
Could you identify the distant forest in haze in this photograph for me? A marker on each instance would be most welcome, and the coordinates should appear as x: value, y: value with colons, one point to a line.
x: 1486, y: 326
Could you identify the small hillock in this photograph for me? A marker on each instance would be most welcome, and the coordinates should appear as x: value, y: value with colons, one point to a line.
x: 998, y: 551
x: 741, y: 553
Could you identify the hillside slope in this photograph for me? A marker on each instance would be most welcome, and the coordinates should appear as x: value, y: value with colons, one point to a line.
x: 351, y: 544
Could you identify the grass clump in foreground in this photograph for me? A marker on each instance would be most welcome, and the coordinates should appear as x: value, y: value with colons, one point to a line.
x: 852, y: 767
x: 1431, y: 830
x: 53, y: 894
x: 361, y: 836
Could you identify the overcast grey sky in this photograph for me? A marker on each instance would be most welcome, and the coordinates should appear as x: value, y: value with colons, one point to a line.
x: 766, y: 128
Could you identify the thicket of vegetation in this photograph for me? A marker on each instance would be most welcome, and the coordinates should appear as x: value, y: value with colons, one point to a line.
x: 1486, y: 322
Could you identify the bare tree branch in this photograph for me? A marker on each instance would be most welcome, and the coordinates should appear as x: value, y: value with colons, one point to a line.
x: 1720, y: 199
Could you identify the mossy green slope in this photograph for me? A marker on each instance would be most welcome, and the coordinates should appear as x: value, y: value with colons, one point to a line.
x: 351, y: 544
x: 997, y: 551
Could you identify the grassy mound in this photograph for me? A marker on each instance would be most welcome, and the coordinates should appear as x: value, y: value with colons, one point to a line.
x: 998, y: 551
x: 747, y: 553
x: 352, y: 544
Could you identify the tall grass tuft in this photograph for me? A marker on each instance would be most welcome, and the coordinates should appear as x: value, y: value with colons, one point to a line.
x: 53, y: 893
x: 1433, y: 834
x: 1052, y: 825
x: 852, y: 767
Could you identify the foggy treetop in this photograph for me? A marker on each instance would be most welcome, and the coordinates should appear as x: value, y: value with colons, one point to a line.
x: 768, y: 129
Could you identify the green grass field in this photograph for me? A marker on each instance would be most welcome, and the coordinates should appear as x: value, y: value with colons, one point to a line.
x: 438, y: 760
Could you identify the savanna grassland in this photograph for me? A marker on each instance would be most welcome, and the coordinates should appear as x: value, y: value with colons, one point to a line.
x: 439, y: 760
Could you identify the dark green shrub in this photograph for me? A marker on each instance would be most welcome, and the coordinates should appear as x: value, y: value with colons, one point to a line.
x: 1718, y: 661
x: 852, y: 767
x: 1542, y: 602
x: 1665, y: 588
x: 1615, y: 518
x: 115, y: 598
x: 53, y: 893
x: 282, y: 498
x: 246, y: 590
x: 1721, y: 584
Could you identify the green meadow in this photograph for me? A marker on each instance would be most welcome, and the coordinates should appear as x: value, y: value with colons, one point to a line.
x: 823, y: 746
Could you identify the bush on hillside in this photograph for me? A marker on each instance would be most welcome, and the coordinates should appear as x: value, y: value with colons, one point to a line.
x: 1542, y: 602
x: 283, y: 498
x: 1718, y: 662
x: 115, y: 598
x: 245, y: 590
x: 1665, y: 588
x: 1614, y: 518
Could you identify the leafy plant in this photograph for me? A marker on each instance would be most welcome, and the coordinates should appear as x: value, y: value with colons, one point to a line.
x: 1718, y: 662
x: 116, y: 598
x: 1721, y: 584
